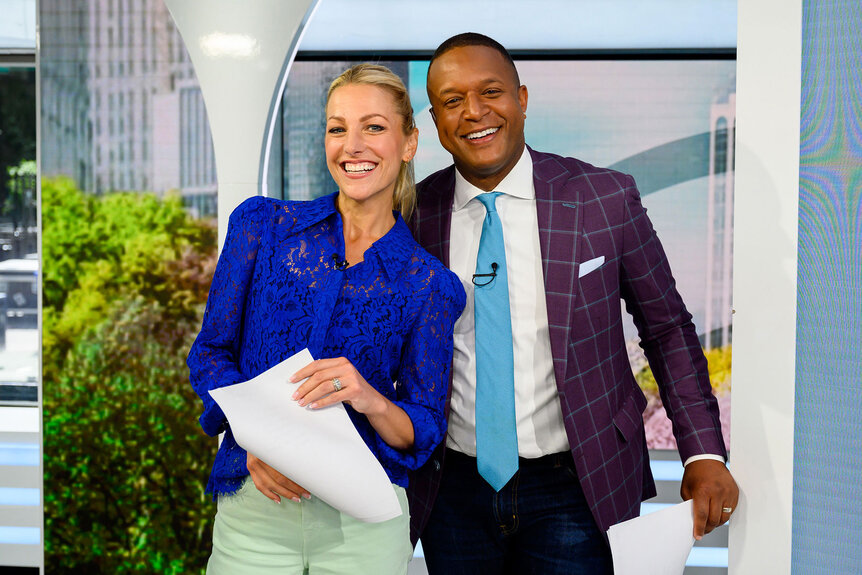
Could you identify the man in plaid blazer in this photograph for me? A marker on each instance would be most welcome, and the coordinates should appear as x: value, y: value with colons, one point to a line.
x: 580, y: 235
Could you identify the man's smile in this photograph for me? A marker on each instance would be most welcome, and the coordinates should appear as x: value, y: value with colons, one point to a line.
x: 480, y: 135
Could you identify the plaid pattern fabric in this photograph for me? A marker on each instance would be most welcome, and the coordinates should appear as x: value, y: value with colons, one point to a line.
x: 584, y: 213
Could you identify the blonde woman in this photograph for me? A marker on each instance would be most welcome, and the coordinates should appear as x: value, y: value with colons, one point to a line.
x: 342, y: 276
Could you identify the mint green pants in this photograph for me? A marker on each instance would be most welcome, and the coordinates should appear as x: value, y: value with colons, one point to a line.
x: 253, y: 535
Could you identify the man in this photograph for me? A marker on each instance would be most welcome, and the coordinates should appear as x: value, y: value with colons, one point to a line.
x: 546, y: 447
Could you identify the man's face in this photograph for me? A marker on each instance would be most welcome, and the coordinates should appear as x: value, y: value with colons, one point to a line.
x: 478, y: 108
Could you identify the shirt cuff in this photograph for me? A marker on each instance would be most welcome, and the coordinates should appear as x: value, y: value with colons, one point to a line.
x: 703, y: 456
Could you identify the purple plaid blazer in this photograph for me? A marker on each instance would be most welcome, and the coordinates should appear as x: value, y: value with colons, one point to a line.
x: 586, y: 212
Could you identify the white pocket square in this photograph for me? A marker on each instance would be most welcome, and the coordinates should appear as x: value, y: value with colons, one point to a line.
x: 589, y: 266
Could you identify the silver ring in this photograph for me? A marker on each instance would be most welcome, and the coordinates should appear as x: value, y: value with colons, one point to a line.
x: 727, y: 509
x: 336, y: 384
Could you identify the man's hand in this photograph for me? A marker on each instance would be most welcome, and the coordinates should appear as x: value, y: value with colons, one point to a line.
x: 272, y: 483
x: 713, y: 489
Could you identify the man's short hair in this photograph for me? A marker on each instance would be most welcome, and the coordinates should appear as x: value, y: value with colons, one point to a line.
x: 474, y: 39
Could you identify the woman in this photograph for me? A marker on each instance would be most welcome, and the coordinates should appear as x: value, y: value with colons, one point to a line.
x: 342, y: 276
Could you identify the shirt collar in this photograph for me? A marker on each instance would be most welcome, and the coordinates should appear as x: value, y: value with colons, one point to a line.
x: 517, y: 183
x: 395, y: 249
x: 392, y: 251
x: 307, y: 214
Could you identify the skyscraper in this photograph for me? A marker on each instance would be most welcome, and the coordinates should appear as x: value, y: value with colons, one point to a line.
x: 719, y: 257
x: 122, y: 106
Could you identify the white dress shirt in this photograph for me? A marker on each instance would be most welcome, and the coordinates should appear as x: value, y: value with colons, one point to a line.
x: 537, y: 404
x: 538, y: 414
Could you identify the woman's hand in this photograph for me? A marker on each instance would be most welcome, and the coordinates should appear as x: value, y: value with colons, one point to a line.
x: 272, y: 483
x: 333, y: 380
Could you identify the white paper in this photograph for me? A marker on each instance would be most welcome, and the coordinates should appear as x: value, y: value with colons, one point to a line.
x: 319, y: 449
x: 655, y: 544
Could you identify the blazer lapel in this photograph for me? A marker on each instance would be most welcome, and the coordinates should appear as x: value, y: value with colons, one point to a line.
x: 445, y: 222
x: 559, y: 212
x: 434, y: 213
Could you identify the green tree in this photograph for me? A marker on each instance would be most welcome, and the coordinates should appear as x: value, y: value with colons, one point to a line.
x: 97, y: 249
x: 20, y: 204
x: 17, y: 122
x: 126, y: 278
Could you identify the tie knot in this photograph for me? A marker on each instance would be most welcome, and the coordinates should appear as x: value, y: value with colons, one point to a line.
x: 487, y: 199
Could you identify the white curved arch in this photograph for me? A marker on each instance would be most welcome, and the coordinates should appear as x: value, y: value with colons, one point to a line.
x: 241, y: 53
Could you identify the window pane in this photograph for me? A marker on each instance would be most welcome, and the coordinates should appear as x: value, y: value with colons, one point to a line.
x: 18, y: 238
x: 20, y: 440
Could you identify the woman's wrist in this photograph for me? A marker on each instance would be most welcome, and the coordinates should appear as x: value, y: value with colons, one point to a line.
x: 392, y: 424
x: 378, y: 407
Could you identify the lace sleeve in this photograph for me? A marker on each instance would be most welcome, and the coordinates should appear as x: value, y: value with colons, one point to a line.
x: 423, y: 376
x: 214, y: 356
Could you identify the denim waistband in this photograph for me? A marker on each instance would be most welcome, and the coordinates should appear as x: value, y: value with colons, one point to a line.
x: 550, y: 460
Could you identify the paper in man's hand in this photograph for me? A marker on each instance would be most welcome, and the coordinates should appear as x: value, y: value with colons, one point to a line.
x: 655, y: 544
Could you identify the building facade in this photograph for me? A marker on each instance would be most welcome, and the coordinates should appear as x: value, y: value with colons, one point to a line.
x: 121, y: 103
x: 719, y: 257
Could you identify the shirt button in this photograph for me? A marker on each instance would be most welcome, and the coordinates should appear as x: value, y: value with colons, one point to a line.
x: 436, y: 465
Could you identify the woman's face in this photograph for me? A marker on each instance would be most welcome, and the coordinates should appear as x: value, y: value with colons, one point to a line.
x: 365, y: 142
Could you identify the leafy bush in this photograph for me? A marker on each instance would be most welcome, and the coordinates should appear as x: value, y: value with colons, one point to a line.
x: 98, y: 249
x: 126, y: 277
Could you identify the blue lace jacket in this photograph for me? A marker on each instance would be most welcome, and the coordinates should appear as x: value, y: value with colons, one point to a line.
x: 276, y: 291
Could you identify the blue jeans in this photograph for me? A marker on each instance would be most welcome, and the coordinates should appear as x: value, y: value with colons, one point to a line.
x: 538, y: 523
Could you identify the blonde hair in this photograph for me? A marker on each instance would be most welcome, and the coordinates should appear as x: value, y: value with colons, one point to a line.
x: 404, y: 199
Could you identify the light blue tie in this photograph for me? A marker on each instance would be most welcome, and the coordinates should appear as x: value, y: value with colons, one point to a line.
x: 496, y: 433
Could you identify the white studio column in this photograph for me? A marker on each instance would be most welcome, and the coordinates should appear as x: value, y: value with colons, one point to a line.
x: 766, y: 222
x: 241, y: 52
